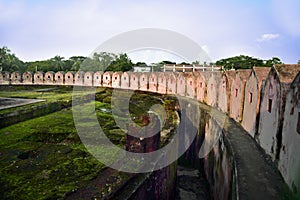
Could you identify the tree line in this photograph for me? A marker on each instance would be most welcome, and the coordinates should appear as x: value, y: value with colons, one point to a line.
x: 104, y: 61
x: 247, y: 62
x: 98, y: 62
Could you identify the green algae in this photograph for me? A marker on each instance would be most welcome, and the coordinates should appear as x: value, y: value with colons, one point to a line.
x: 38, y: 160
x: 43, y: 158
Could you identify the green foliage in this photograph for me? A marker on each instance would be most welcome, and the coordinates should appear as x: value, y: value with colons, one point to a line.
x: 158, y: 67
x: 9, y: 62
x: 246, y: 62
x: 141, y: 64
x: 43, y: 158
x: 104, y: 61
x: 168, y: 62
x: 99, y: 62
x: 121, y: 63
x: 185, y: 63
x: 55, y: 64
x: 273, y: 61
x: 196, y: 62
x: 43, y: 66
x: 75, y: 62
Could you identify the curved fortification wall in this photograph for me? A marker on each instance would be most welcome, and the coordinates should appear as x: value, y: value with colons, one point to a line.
x: 265, y: 101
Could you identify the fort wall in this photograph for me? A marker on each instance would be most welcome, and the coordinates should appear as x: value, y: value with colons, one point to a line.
x: 257, y: 100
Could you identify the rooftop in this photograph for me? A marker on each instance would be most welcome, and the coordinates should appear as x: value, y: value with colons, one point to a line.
x: 287, y: 73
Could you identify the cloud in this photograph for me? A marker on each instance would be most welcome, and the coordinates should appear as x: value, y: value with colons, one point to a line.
x: 36, y: 30
x: 267, y: 37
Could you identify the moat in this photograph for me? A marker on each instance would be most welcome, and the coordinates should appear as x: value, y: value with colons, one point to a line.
x: 42, y: 156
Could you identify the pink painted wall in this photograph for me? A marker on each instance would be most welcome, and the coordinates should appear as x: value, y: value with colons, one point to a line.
x: 49, y: 78
x: 116, y: 80
x: 237, y: 94
x: 144, y: 82
x: 162, y: 83
x: 106, y: 81
x: 97, y: 79
x: 4, y: 78
x: 201, y: 81
x: 27, y: 78
x: 69, y: 78
x: 88, y: 78
x: 125, y: 80
x: 181, y: 84
x: 171, y: 79
x: 212, y: 89
x: 38, y: 78
x: 190, y: 85
x: 289, y: 160
x: 224, y: 94
x: 59, y: 78
x: 269, y: 115
x: 278, y: 109
x: 79, y: 78
x: 134, y: 81
x: 250, y: 104
x: 152, y: 82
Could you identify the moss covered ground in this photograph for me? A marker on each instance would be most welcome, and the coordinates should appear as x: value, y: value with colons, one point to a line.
x: 43, y: 158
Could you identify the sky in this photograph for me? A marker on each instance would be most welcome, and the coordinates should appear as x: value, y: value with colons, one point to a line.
x: 41, y: 29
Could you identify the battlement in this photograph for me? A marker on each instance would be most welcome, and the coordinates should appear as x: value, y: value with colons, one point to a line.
x: 264, y: 100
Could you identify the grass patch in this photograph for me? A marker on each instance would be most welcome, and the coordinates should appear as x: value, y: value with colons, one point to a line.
x: 43, y: 158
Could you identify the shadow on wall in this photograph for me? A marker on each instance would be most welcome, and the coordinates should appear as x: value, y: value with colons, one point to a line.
x: 264, y: 101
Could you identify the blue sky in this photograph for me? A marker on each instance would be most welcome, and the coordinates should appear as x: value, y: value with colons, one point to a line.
x: 36, y: 30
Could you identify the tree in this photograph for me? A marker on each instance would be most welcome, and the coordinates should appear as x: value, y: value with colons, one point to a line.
x: 57, y: 63
x: 158, y: 67
x: 273, y: 61
x: 166, y: 62
x: 121, y: 63
x: 106, y: 59
x: 74, y: 63
x: 99, y: 61
x: 141, y: 64
x: 9, y: 62
x: 43, y: 66
x: 185, y: 63
x: 246, y: 62
x: 298, y: 62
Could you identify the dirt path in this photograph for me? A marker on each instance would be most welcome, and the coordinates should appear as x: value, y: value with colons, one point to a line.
x: 191, y: 185
x: 14, y: 102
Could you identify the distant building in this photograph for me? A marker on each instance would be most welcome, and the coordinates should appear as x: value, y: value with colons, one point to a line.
x: 190, y: 68
x: 141, y: 69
